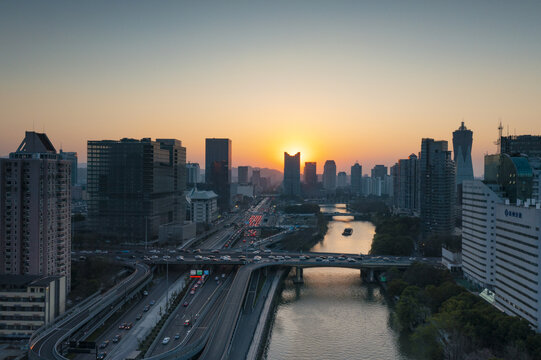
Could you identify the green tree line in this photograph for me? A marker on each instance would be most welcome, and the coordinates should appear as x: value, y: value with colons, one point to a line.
x: 445, y: 321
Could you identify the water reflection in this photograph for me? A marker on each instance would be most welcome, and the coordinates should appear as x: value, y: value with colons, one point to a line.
x: 333, y: 315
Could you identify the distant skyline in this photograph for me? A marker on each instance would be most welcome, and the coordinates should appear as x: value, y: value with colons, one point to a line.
x: 342, y: 80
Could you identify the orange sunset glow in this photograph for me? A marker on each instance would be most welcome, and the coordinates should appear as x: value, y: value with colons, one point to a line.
x: 365, y: 88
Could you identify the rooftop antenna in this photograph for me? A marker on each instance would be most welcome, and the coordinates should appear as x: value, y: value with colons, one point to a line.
x: 499, y: 141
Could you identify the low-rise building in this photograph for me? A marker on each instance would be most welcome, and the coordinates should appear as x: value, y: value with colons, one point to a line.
x: 28, y: 302
x: 203, y: 206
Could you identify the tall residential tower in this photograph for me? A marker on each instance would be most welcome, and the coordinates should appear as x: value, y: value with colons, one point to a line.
x: 437, y: 191
x: 35, y: 210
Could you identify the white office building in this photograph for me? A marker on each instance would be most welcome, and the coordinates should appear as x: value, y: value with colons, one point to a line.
x: 517, y: 265
x: 478, y: 233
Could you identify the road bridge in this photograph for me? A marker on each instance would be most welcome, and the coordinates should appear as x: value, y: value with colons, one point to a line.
x: 218, y: 345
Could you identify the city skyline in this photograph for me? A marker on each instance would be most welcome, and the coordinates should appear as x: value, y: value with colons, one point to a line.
x: 368, y: 81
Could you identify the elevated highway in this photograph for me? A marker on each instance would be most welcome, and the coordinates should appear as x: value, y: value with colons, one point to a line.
x: 45, y: 342
x: 218, y: 345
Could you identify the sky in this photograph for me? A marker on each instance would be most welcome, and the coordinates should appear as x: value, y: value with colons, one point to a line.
x: 345, y: 80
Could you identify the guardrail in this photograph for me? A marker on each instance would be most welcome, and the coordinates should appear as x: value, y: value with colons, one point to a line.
x: 46, y: 329
x: 109, y: 298
x: 103, y: 319
x: 189, y: 351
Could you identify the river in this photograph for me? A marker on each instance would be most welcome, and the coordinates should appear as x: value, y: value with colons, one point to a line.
x: 333, y: 315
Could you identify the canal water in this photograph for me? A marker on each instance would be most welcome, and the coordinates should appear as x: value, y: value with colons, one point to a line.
x: 333, y: 315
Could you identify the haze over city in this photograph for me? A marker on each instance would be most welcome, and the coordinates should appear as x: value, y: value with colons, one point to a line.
x: 335, y: 80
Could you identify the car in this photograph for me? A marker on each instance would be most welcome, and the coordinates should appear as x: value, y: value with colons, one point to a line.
x: 122, y: 326
x: 101, y: 355
x: 192, y: 292
x: 215, y: 251
x: 177, y: 336
x: 117, y: 338
x: 146, y: 308
x: 165, y: 340
x: 412, y: 258
x: 185, y: 304
x: 166, y: 257
x: 139, y: 316
x: 145, y: 293
x: 187, y: 322
x: 104, y: 344
x: 180, y: 257
x: 152, y: 302
x: 128, y: 326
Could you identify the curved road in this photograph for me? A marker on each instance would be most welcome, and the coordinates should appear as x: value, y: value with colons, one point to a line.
x: 43, y: 348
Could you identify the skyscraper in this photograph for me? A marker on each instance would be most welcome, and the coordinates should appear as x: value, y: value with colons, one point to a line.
x: 356, y: 178
x: 521, y: 144
x: 193, y: 173
x: 310, y: 173
x: 35, y: 210
x: 329, y: 175
x: 243, y: 175
x: 256, y: 177
x: 218, y: 169
x: 292, y: 174
x: 379, y: 171
x: 407, y: 184
x: 134, y: 186
x: 341, y: 179
x: 462, y: 143
x: 437, y: 191
x: 72, y: 158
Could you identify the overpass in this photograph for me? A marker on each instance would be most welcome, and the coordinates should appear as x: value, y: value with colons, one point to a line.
x: 223, y: 331
x: 45, y: 342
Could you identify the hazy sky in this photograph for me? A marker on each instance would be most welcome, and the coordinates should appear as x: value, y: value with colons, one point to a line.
x: 342, y: 80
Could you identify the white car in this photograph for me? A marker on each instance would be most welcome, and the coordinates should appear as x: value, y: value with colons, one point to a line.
x: 165, y: 340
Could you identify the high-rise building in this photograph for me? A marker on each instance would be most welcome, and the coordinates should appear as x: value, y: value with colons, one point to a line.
x: 478, y: 233
x: 462, y: 143
x: 356, y: 178
x: 218, y: 169
x: 35, y: 210
x: 329, y: 175
x: 310, y: 173
x: 193, y: 172
x: 529, y: 145
x: 243, y: 175
x: 341, y: 179
x: 292, y: 174
x: 134, y: 186
x: 437, y: 191
x: 406, y: 184
x: 500, y: 248
x: 379, y: 171
x: 517, y: 266
x: 72, y: 158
